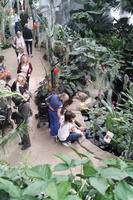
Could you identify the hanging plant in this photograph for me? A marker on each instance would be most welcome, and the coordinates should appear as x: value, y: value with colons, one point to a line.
x: 36, y: 25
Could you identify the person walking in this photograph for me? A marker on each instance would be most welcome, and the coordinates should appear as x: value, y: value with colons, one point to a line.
x: 16, y: 21
x: 27, y: 34
x: 55, y: 103
x: 25, y: 67
x: 18, y: 42
x: 23, y: 18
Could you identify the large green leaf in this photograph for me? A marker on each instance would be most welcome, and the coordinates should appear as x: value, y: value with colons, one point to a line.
x: 12, y: 135
x: 99, y: 183
x: 51, y: 191
x: 109, y: 107
x: 95, y: 12
x: 116, y: 163
x: 123, y: 191
x: 76, y: 52
x: 75, y: 163
x: 113, y: 173
x: 63, y: 189
x: 6, y: 93
x: 72, y: 197
x: 110, y: 161
x: 81, y: 154
x: 58, y: 192
x: 76, y: 77
x: 61, y: 178
x: 9, y: 187
x: 129, y: 171
x: 61, y: 167
x: 40, y: 171
x: 65, y: 158
x: 35, y: 188
x: 89, y: 55
x: 4, y: 195
x: 106, y: 196
x: 26, y: 197
x: 89, y: 169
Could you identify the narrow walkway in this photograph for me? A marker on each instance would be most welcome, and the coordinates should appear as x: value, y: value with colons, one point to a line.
x: 43, y: 147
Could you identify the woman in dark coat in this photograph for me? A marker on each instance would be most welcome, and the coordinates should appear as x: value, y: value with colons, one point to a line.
x: 19, y: 85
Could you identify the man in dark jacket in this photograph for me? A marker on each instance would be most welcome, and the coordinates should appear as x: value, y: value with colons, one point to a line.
x: 23, y: 18
x: 27, y: 34
x: 21, y: 118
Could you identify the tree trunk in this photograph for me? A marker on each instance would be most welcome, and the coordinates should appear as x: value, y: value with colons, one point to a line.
x: 3, y: 25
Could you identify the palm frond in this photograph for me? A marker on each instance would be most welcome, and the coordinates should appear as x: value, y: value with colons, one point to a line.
x: 10, y: 136
x: 6, y: 93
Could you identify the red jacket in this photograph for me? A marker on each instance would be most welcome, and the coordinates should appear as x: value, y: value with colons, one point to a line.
x: 29, y: 70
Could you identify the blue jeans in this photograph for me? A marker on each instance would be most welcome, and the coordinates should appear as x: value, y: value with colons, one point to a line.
x: 29, y: 47
x: 16, y: 27
x: 54, y: 122
x: 73, y: 137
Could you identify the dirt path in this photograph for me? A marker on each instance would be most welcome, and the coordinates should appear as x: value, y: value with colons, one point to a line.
x: 43, y: 147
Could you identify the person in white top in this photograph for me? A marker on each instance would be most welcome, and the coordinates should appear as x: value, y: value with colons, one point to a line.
x: 16, y: 21
x: 18, y: 42
x: 68, y: 131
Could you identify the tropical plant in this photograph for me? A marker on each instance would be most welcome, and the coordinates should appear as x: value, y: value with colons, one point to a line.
x: 4, y: 16
x: 4, y: 93
x: 106, y: 117
x: 111, y: 181
x: 95, y: 17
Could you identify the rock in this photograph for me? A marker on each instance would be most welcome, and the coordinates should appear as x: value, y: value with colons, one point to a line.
x: 81, y: 96
x: 75, y: 106
x: 91, y: 148
x: 79, y: 118
x: 90, y: 102
x: 91, y: 89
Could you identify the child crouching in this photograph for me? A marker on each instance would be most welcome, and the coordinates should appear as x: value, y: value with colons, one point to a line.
x: 68, y: 132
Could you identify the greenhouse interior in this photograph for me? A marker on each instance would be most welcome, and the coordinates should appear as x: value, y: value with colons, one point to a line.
x: 66, y: 100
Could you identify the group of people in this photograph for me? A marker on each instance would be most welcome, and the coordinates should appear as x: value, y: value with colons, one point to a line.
x: 20, y: 40
x: 21, y: 111
x: 22, y: 108
x: 21, y: 84
x: 62, y: 121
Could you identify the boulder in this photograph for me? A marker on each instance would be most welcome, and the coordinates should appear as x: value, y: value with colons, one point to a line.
x: 90, y: 102
x: 81, y: 96
x: 93, y: 149
x: 75, y: 106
